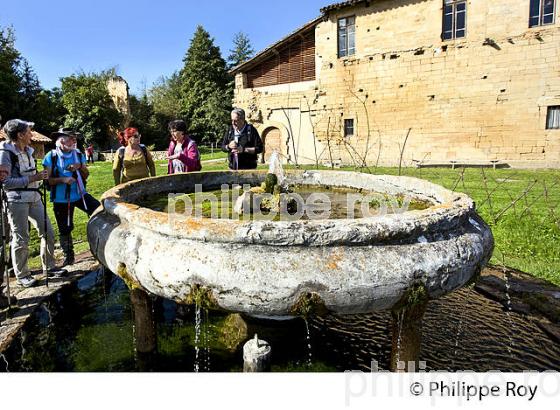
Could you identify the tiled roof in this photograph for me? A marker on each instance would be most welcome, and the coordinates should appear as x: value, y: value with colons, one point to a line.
x: 266, y: 52
x: 35, y: 138
x: 340, y: 5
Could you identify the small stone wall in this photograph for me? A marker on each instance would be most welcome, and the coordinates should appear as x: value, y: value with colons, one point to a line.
x: 156, y: 155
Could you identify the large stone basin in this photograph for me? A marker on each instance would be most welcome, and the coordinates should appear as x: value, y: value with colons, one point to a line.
x: 268, y: 268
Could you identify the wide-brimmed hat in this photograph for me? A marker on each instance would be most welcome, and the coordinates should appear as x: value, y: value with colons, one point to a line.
x: 66, y: 132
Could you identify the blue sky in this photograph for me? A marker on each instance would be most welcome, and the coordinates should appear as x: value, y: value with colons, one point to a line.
x: 144, y: 39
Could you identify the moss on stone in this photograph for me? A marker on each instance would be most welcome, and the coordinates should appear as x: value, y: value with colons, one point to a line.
x: 202, y: 297
x: 129, y: 281
x: 270, y: 182
x: 309, y: 304
x: 414, y: 297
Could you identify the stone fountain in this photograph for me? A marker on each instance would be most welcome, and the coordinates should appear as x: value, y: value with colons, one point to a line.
x: 285, y: 268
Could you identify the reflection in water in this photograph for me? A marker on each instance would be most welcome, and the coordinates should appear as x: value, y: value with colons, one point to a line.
x: 91, y: 326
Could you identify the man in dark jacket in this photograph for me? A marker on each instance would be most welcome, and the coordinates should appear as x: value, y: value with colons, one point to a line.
x: 242, y: 141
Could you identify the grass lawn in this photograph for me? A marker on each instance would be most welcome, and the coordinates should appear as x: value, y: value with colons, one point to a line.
x: 521, y: 206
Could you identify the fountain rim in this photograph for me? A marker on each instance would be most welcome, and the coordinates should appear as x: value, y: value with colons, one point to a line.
x: 450, y: 211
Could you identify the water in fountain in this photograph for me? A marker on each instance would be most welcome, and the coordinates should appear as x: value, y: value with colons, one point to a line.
x: 197, y: 326
x: 83, y: 338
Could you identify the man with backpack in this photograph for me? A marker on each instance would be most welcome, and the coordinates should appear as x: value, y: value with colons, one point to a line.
x: 67, y: 172
x: 24, y: 203
x: 242, y: 141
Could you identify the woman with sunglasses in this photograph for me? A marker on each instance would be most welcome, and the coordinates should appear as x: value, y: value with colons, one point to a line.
x: 133, y: 159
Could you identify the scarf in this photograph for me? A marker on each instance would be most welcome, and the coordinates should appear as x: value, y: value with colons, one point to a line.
x: 73, y: 154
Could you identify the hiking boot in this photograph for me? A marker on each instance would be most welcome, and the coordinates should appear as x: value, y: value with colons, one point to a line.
x: 57, y: 272
x: 27, y: 282
x: 4, y: 301
x: 67, y: 249
x: 68, y: 260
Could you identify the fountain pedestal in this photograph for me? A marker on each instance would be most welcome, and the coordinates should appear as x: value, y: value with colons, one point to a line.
x: 407, y: 337
x: 256, y: 356
x: 144, y: 324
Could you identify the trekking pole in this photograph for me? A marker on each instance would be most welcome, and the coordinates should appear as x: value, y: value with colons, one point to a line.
x: 4, y: 242
x: 68, y: 222
x: 45, y: 271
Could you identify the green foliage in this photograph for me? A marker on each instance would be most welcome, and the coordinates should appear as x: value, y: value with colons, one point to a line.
x: 90, y: 107
x: 165, y: 96
x: 10, y: 77
x: 206, y: 91
x: 157, y: 108
x: 242, y: 50
x: 143, y: 117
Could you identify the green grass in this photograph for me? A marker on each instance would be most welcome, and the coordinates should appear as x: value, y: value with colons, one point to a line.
x: 521, y: 206
x: 206, y: 153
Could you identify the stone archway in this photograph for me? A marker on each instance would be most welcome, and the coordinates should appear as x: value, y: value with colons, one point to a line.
x: 272, y: 140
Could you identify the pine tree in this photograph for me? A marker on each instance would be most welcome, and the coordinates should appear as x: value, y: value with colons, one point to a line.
x: 206, y: 92
x: 242, y: 50
x: 10, y: 76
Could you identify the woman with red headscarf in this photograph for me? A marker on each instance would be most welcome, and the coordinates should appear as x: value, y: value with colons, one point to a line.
x: 133, y: 160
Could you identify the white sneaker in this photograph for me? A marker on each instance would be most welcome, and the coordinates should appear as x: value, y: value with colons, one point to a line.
x: 27, y: 282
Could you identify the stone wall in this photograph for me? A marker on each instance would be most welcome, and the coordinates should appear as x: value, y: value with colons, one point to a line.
x: 156, y: 155
x: 480, y: 98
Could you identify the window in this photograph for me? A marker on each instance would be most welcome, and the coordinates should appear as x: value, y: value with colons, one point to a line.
x: 454, y: 19
x: 348, y: 128
x: 346, y: 36
x: 541, y: 12
x: 553, y: 117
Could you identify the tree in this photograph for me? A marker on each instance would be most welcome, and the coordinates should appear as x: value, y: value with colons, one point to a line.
x: 10, y: 78
x: 143, y: 117
x: 205, y: 90
x: 242, y: 50
x: 90, y: 107
x: 165, y: 100
x: 49, y: 111
x: 165, y: 96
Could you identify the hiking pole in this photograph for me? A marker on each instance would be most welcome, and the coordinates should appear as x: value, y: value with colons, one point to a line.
x: 5, y: 272
x: 68, y: 222
x: 45, y: 271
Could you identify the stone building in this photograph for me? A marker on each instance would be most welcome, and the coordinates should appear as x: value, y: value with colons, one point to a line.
x: 118, y: 90
x: 438, y: 80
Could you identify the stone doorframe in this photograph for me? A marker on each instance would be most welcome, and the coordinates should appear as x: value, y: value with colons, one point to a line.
x: 285, y: 149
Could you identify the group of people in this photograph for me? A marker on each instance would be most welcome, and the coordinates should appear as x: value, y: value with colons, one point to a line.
x: 65, y: 173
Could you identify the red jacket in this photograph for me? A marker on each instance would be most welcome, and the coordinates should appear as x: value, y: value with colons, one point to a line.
x: 189, y: 155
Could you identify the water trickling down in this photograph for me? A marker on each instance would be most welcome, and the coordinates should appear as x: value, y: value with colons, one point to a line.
x: 197, y: 325
x: 309, y: 347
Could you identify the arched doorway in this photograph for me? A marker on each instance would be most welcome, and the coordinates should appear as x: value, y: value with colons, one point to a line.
x: 272, y: 140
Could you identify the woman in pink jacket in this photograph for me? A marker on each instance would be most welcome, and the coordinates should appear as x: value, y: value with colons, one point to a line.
x: 183, y: 155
